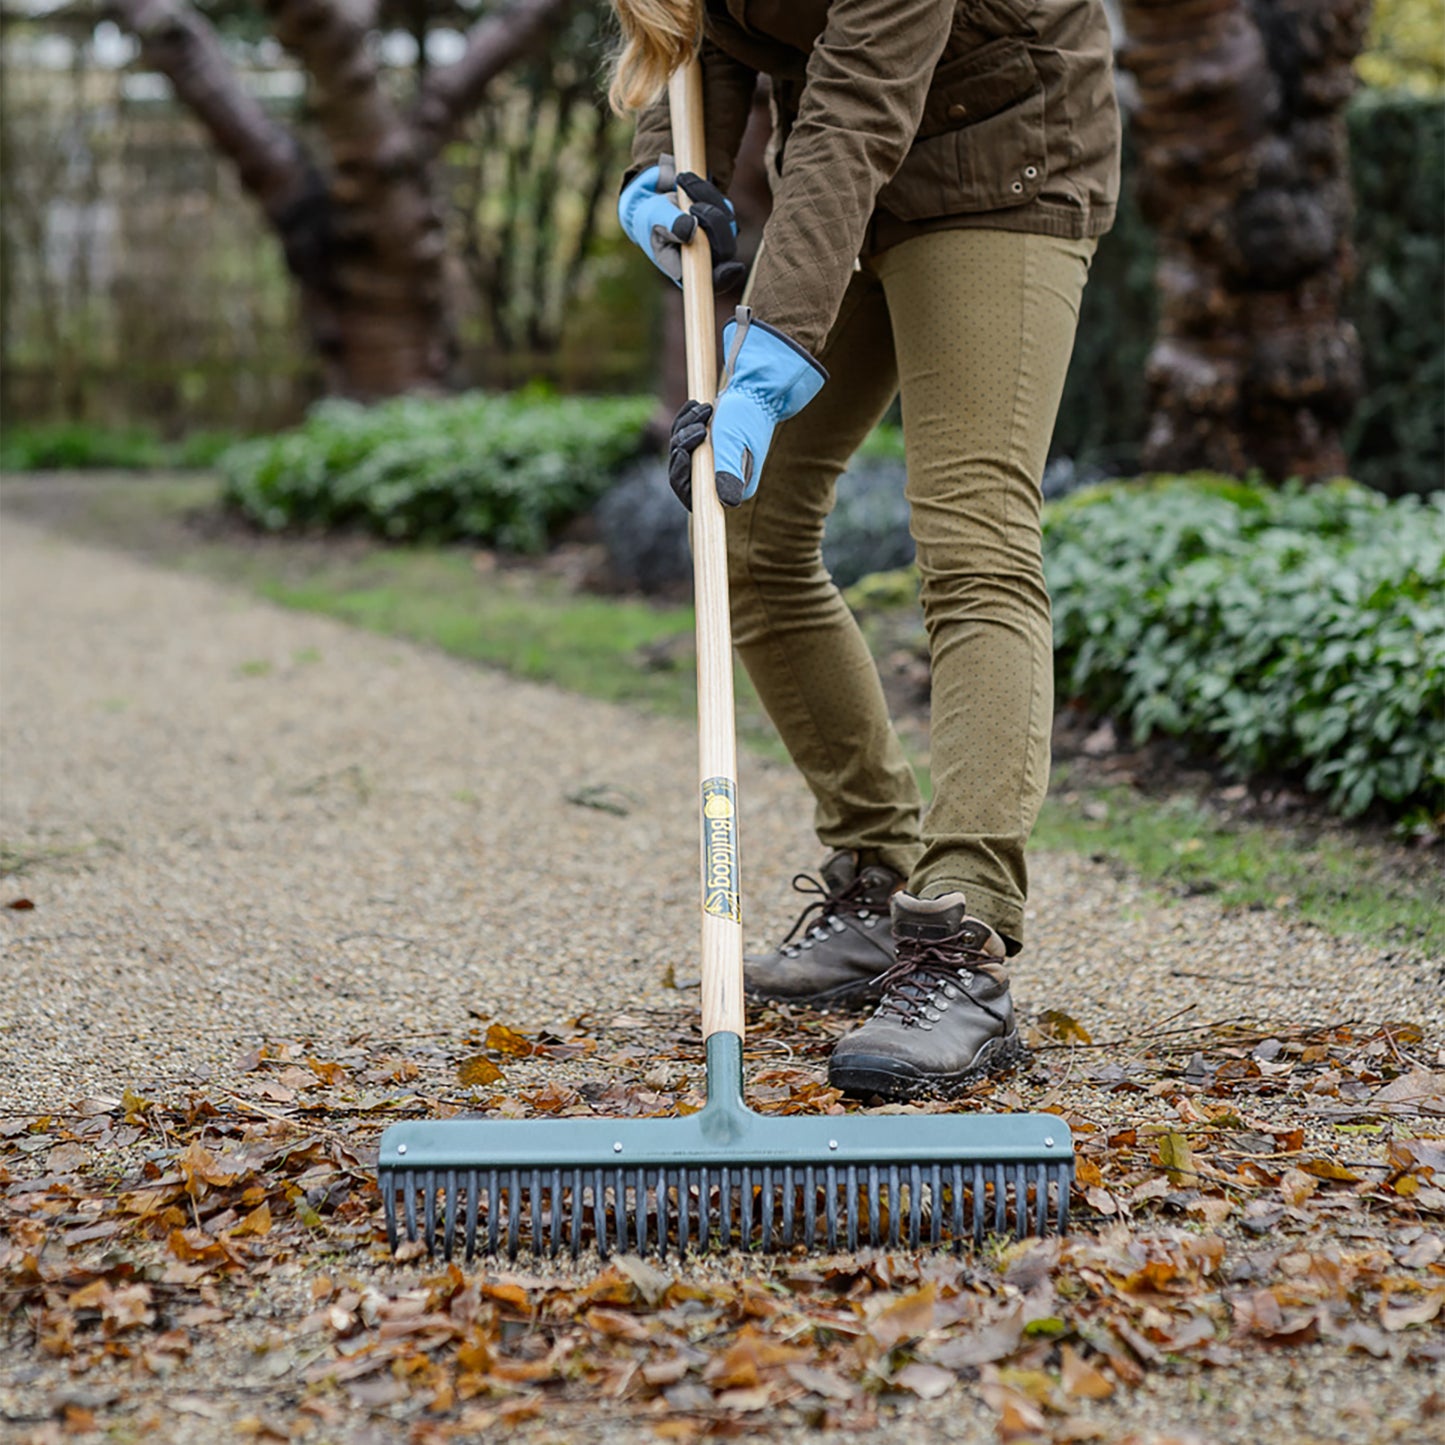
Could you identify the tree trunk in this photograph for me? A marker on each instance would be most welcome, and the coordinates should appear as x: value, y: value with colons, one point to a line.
x: 366, y: 243
x: 1245, y: 177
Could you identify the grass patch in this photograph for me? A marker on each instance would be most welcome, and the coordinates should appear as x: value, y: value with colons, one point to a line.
x: 1329, y: 876
x: 528, y: 625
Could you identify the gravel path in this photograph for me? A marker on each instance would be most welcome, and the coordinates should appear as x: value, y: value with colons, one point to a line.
x: 238, y: 824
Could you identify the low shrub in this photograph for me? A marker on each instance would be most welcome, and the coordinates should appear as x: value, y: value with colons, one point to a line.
x: 1293, y: 631
x: 503, y: 468
x: 73, y: 446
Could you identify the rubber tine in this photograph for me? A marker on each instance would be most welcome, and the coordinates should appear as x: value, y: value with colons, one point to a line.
x: 915, y: 1206
x: 704, y: 1210
x: 956, y: 1178
x: 555, y: 1242
x: 535, y: 1186
x: 473, y: 1189
x: 514, y: 1211
x: 429, y: 1209
x: 599, y: 1212
x: 639, y: 1205
x: 621, y: 1219
x: 619, y: 1207
x: 388, y: 1207
x: 639, y: 1210
x: 1020, y: 1174
x: 627, y: 1202
x: 830, y: 1206
x: 1042, y: 1172
x: 725, y: 1199
x: 494, y: 1209
x: 810, y: 1205
x: 408, y: 1202
x: 663, y: 1185
x: 850, y: 1196
x: 875, y: 1228
x: 935, y: 1196
x: 621, y: 1212
x: 1062, y: 1216
x: 978, y: 1204
x: 745, y: 1208
x: 684, y: 1223
x: 579, y: 1206
x: 1000, y: 1199
x: 790, y: 1203
x: 765, y: 1207
x: 449, y: 1231
x: 895, y: 1204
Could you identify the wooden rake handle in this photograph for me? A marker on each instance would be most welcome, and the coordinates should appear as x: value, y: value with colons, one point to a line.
x: 722, y: 930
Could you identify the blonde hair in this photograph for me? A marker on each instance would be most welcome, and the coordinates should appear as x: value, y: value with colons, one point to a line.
x: 657, y: 37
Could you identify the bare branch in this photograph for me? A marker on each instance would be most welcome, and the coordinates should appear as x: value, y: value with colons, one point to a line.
x: 180, y: 44
x: 329, y: 37
x: 453, y: 92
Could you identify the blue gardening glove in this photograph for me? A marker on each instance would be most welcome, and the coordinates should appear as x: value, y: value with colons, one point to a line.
x: 652, y: 218
x: 767, y: 378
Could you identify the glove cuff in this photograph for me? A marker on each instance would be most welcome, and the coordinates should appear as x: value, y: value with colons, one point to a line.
x: 767, y: 364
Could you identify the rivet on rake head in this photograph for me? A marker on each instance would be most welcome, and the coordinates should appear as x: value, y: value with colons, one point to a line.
x: 832, y: 1143
x: 617, y: 1147
x: 401, y: 1148
x: 1048, y: 1143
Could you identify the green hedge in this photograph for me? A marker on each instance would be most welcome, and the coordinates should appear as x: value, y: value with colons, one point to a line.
x: 501, y: 468
x: 1294, y: 631
x: 67, y: 446
x: 1396, y: 439
x: 1396, y: 442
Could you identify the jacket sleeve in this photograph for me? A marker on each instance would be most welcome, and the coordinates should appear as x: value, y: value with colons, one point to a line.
x: 727, y: 99
x: 867, y: 79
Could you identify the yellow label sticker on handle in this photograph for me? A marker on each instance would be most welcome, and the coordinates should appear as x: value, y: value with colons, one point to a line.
x: 720, y: 887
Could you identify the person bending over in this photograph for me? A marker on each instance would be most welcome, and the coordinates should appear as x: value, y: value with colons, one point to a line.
x: 941, y: 170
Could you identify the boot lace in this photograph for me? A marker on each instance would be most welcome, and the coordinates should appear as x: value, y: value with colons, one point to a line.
x: 831, y: 913
x: 911, y: 986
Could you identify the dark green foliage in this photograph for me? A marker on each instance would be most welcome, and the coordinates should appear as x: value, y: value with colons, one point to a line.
x: 1292, y: 631
x: 503, y: 468
x: 1396, y: 441
x: 71, y: 446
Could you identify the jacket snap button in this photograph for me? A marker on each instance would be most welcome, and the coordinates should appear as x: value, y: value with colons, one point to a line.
x: 957, y: 112
x: 1031, y: 171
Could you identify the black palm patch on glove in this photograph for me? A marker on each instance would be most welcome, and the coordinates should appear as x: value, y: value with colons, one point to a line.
x: 689, y: 431
x: 714, y: 214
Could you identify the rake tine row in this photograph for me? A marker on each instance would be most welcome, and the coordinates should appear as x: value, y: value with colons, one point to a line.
x: 675, y: 1210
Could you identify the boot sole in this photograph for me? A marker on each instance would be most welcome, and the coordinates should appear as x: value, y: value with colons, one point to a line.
x: 861, y: 1076
x: 848, y: 993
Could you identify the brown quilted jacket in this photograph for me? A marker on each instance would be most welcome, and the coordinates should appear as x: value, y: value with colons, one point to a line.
x: 894, y: 117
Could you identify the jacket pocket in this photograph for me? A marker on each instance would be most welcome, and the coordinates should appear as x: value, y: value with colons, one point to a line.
x: 981, y: 143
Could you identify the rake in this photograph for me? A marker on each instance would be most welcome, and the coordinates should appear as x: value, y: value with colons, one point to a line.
x: 724, y: 1177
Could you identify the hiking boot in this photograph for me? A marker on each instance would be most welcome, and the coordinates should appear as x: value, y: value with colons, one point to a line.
x: 946, y: 1018
x: 846, y: 943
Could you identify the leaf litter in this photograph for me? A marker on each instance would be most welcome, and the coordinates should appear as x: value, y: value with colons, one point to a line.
x: 1240, y: 1190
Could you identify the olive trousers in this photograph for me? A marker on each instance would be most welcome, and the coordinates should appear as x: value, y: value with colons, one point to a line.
x: 974, y: 328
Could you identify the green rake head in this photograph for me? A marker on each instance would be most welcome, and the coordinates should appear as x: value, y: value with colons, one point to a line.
x: 724, y: 1178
